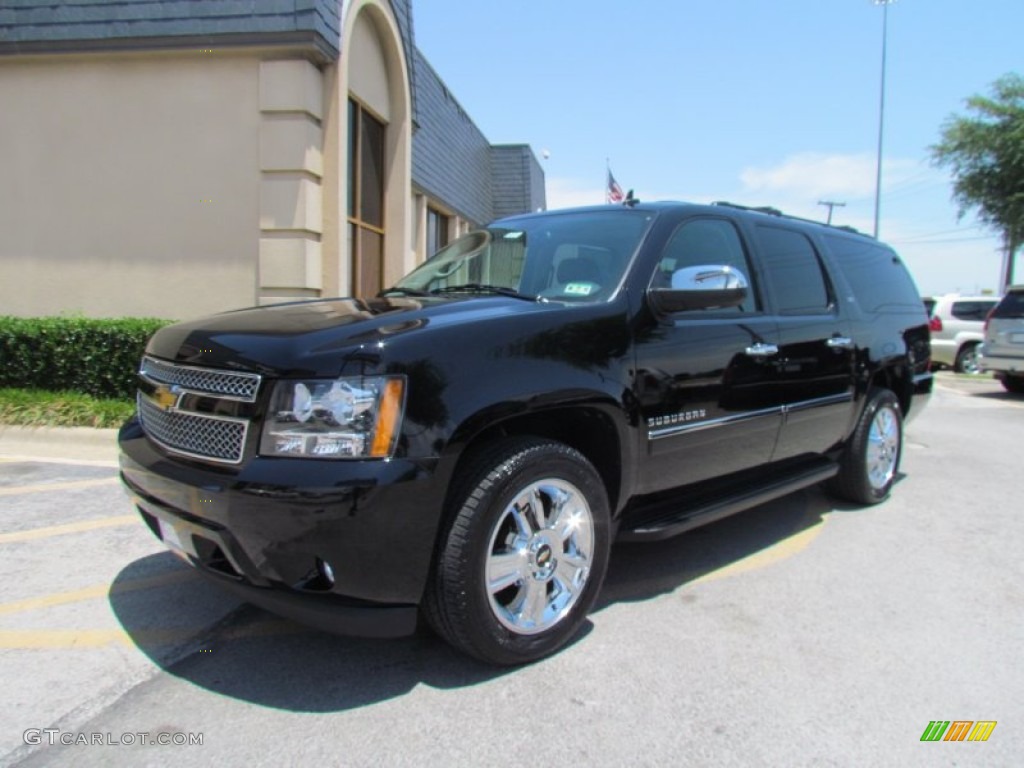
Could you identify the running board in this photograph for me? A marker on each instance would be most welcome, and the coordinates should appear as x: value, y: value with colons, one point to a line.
x: 668, y: 518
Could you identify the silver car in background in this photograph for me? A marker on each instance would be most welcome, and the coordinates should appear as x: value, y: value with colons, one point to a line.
x: 1002, y: 352
x: 957, y: 324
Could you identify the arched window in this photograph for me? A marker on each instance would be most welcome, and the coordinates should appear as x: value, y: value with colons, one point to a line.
x: 366, y: 136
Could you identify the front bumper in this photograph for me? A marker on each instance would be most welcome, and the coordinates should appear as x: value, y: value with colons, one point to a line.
x: 266, y: 529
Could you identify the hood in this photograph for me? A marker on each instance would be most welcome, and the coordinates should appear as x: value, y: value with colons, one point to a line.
x: 318, y: 338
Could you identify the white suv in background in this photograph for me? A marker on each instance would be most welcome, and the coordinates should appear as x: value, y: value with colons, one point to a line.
x: 1003, y: 350
x: 958, y: 326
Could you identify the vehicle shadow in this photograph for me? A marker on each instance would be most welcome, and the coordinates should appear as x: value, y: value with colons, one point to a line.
x: 258, y: 658
x: 1009, y: 397
x: 255, y: 656
x: 640, y: 571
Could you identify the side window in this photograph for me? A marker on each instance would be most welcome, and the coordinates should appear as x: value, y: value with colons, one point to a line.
x: 972, y: 310
x: 700, y: 242
x: 794, y: 272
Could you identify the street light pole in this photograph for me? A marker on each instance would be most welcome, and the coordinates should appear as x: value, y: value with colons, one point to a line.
x: 881, y: 110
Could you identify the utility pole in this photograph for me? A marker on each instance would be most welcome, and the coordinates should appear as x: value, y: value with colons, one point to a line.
x: 831, y: 204
x: 881, y: 110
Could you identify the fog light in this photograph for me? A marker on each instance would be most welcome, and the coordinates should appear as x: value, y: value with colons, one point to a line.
x: 325, y: 571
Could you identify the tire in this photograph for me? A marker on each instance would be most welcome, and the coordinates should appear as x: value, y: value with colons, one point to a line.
x: 967, y: 359
x: 867, y: 468
x: 523, y: 555
x: 1013, y: 384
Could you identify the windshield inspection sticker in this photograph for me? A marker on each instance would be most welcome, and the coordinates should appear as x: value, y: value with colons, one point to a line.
x: 579, y: 289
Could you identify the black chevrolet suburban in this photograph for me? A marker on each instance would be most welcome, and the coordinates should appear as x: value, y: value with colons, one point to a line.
x: 467, y: 445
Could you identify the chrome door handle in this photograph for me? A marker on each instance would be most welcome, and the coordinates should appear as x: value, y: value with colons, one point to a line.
x: 839, y: 342
x: 762, y: 350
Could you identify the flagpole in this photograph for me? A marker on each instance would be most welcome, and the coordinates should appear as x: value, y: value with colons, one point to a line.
x: 607, y: 175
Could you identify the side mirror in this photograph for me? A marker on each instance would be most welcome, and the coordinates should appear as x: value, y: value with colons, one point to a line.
x: 712, y: 286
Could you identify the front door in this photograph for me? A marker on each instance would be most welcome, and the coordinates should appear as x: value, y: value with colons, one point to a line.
x: 705, y: 378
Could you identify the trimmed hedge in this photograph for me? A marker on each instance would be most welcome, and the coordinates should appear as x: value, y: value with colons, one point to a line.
x: 97, y: 357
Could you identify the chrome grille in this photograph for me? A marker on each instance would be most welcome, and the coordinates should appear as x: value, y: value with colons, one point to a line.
x: 203, y: 381
x: 214, y: 438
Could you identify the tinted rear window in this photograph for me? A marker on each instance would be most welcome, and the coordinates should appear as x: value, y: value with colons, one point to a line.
x: 875, y: 273
x: 1012, y: 305
x: 972, y: 310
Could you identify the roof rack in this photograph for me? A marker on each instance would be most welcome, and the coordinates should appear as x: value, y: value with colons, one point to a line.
x: 759, y: 208
x: 767, y: 209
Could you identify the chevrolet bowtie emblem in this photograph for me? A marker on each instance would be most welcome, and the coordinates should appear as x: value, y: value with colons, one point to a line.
x: 165, y: 397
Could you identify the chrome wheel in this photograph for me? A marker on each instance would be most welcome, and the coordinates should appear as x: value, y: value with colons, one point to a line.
x: 523, y: 553
x: 540, y: 556
x: 967, y: 360
x: 868, y: 464
x: 883, y: 447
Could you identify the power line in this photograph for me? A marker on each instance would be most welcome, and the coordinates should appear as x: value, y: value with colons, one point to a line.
x: 915, y: 189
x: 940, y: 240
x: 925, y: 235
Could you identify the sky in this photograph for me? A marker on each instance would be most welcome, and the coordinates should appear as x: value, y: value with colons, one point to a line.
x: 755, y: 102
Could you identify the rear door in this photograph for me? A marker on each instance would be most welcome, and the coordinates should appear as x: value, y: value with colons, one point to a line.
x: 705, y: 378
x: 815, y: 363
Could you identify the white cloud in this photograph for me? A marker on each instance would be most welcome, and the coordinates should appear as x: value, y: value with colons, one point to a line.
x: 569, y: 193
x: 819, y: 174
x: 565, y: 192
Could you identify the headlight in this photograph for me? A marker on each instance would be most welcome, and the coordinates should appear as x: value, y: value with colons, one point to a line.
x: 347, y: 418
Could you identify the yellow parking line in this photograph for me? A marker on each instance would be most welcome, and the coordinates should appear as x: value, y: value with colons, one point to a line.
x: 59, y: 530
x: 97, y: 590
x: 66, y: 486
x: 35, y: 639
x: 773, y: 554
x: 29, y: 639
x: 72, y: 639
x: 14, y: 458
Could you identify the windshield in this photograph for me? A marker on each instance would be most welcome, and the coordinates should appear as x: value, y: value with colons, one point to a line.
x: 579, y: 256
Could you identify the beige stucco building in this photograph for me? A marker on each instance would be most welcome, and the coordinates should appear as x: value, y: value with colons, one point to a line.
x: 171, y: 166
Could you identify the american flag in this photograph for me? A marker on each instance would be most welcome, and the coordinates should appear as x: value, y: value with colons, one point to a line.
x: 614, y: 192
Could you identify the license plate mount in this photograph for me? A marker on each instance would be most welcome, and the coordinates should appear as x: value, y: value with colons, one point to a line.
x: 170, y: 537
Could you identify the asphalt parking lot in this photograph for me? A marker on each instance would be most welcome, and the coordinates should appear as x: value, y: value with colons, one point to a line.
x: 801, y: 633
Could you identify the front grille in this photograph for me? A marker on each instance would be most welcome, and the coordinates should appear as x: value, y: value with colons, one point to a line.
x: 228, y: 385
x: 214, y: 438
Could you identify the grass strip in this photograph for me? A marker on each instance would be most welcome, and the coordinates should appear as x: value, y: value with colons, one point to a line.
x: 39, y: 408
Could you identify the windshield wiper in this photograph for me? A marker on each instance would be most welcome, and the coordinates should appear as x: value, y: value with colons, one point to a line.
x: 403, y: 292
x: 496, y: 290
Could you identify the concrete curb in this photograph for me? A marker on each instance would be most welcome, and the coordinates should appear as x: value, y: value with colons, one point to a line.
x: 72, y: 443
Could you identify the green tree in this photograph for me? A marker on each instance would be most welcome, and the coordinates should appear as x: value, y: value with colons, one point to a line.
x: 985, y: 153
